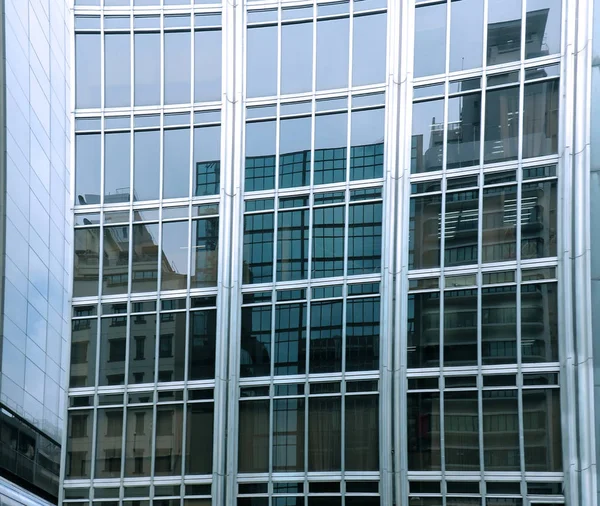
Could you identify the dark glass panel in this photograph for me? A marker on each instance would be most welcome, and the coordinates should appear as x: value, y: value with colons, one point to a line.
x: 171, y: 347
x: 203, y: 342
x: 85, y: 262
x: 288, y: 435
x: 292, y: 245
x: 501, y: 431
x: 253, y: 501
x: 461, y: 431
x: 326, y: 337
x: 176, y: 170
x: 169, y: 438
x: 539, y: 323
x: 87, y: 70
x: 460, y: 229
x: 504, y: 31
x: 294, y: 152
x: 362, y: 334
x: 87, y: 169
x: 290, y: 339
x: 366, y: 144
x: 330, y: 148
x: 542, y: 27
x: 79, y: 444
x: 296, y: 57
x: 499, y: 240
x: 255, y: 359
x: 499, y: 325
x: 138, y: 442
x: 362, y: 501
x: 464, y: 130
x: 261, y: 61
x: 177, y: 67
x: 113, y: 345
x: 205, y: 251
x: 199, y: 441
x: 466, y: 34
x: 364, y: 238
x: 540, y: 119
x: 427, y: 136
x: 258, y: 248
x: 324, y: 501
x: 146, y: 165
x: 368, y: 49
x: 147, y: 68
x: 142, y: 348
x: 260, y: 156
x: 253, y: 443
x: 328, y: 242
x: 288, y: 501
x: 84, y: 336
x: 207, y: 160
x: 145, y: 258
x: 117, y: 69
x: 362, y: 433
x: 430, y: 40
x: 424, y: 233
x: 332, y: 53
x: 542, y: 430
x: 207, y: 65
x: 501, y: 124
x: 460, y: 327
x: 538, y: 220
x: 324, y: 434
x: 423, y: 330
x: 109, y: 439
x: 424, y: 432
x: 117, y: 149
x: 174, y: 255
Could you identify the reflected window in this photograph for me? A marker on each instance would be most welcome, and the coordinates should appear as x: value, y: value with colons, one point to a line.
x: 205, y: 252
x: 146, y: 165
x: 258, y: 247
x: 366, y: 144
x: 324, y: 433
x: 288, y: 435
x: 83, y: 352
x: 207, y: 160
x: 117, y: 73
x: 424, y: 232
x: 79, y: 444
x: 330, y: 148
x: 253, y: 437
x: 430, y: 40
x: 117, y: 150
x: 460, y: 327
x: 501, y: 431
x: 176, y: 170
x: 364, y: 238
x: 87, y: 169
x: 171, y: 357
x: 294, y: 152
x: 328, y: 242
x: 87, y: 70
x: 296, y: 57
x: 539, y: 323
x: 460, y: 228
x: 501, y: 125
x: 540, y: 119
x: 290, y: 339
x: 256, y: 341
x: 499, y: 224
x: 424, y: 452
x: 203, y: 341
x: 499, y: 325
x: 86, y: 261
x: 147, y: 68
x: 260, y: 156
x: 539, y: 219
x: 113, y: 344
x: 362, y: 334
x: 542, y: 437
x: 138, y: 442
x: 464, y: 130
x: 145, y: 258
x: 199, y: 440
x: 261, y: 61
x: 177, y: 67
x: 369, y: 49
x: 116, y: 260
x: 504, y: 31
x: 542, y: 27
x: 332, y: 53
x: 427, y: 136
x: 461, y: 431
x: 326, y: 337
x: 169, y: 428
x: 362, y: 433
x: 174, y: 255
x: 207, y: 65
x: 423, y: 330
x: 292, y: 245
x: 142, y: 348
x: 466, y: 34
x: 109, y: 443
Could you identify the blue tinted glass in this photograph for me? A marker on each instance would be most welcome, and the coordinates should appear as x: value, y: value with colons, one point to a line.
x: 147, y: 68
x: 207, y: 65
x: 176, y: 175
x: 87, y: 70
x: 177, y: 67
x: 117, y: 70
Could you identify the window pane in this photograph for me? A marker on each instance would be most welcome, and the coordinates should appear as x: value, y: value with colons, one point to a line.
x: 328, y: 242
x: 79, y: 445
x: 116, y: 260
x: 142, y: 348
x: 462, y: 217
x: 261, y: 62
x: 176, y: 176
x: 539, y: 323
x: 255, y: 356
x: 171, y: 353
x: 324, y: 434
x: 288, y: 435
x: 117, y: 70
x: 296, y: 57
x: 169, y: 436
x: 464, y: 130
x: 499, y: 224
x: 253, y: 443
x: 138, y: 442
x: 542, y: 430
x: 177, y: 67
x: 113, y: 343
x: 364, y: 239
x: 145, y: 258
x: 199, y: 441
x: 258, y: 248
x: 332, y: 53
x: 362, y: 334
x: 369, y: 45
x: 326, y: 337
x: 424, y: 330
x: 83, y: 352
x: 424, y: 233
x: 174, y: 255
x: 460, y: 327
x: 504, y: 31
x: 362, y: 433
x: 501, y: 125
x: 207, y: 160
x: 461, y: 428
x: 424, y: 432
x: 290, y: 339
x: 499, y: 325
x: 540, y: 119
x: 538, y: 220
x: 292, y: 245
x: 466, y: 34
x: 147, y: 68
x: 366, y: 144
x: 117, y: 149
x: 430, y: 40
x: 87, y: 70
x: 109, y: 440
x: 87, y: 169
x: 85, y: 265
x: 501, y: 431
x: 542, y: 28
x: 260, y: 156
x: 205, y: 252
x: 207, y: 61
x: 427, y: 136
x: 146, y: 165
x: 203, y: 341
x: 294, y: 152
x: 330, y: 148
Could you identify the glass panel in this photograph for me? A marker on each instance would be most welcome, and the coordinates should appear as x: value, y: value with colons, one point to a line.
x: 147, y: 68
x: 501, y: 125
x: 324, y: 434
x: 255, y: 359
x: 117, y: 149
x: 296, y: 57
x: 332, y: 53
x: 460, y: 327
x: 364, y: 238
x: 176, y: 170
x: 362, y: 334
x: 540, y: 119
x: 539, y: 323
x: 504, y: 31
x: 460, y: 229
x: 362, y: 433
x: 177, y: 67
x: 138, y: 442
x: 538, y: 220
x: 142, y: 348
x: 542, y: 430
x: 169, y: 438
x: 145, y: 258
x: 261, y: 61
x: 113, y: 345
x: 117, y: 69
x: 207, y: 65
x: 464, y: 130
x: 424, y: 237
x: 542, y: 28
x: 116, y: 256
x: 258, y: 248
x: 424, y: 432
x: 146, y: 165
x: 499, y: 325
x: 109, y: 441
x: 501, y: 431
x: 294, y: 152
x: 87, y: 70
x: 290, y: 339
x: 207, y: 160
x: 328, y: 242
x: 79, y: 445
x: 466, y: 34
x: 205, y: 251
x: 430, y: 40
x: 203, y: 341
x: 292, y: 245
x: 260, y: 156
x: 199, y: 441
x: 461, y: 431
x: 424, y: 330
x: 87, y: 169
x: 330, y: 148
x: 171, y: 348
x: 174, y: 255
x: 253, y: 442
x: 368, y: 46
x: 85, y: 265
x: 499, y: 224
x: 288, y: 435
x: 326, y: 337
x: 427, y: 136
x: 83, y: 353
x: 366, y: 144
